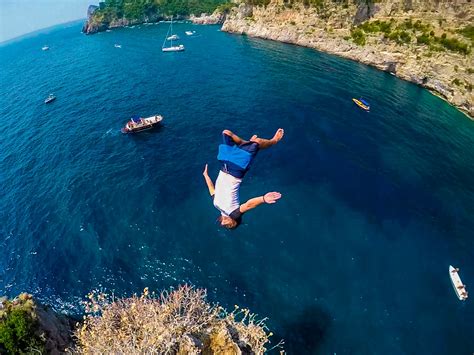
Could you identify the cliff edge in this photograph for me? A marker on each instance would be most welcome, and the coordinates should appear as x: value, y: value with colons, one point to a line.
x: 427, y: 42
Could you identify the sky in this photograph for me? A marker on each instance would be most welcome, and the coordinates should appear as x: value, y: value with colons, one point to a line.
x: 18, y: 17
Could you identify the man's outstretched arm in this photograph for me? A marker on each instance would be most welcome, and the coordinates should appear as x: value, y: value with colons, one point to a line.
x: 269, y: 197
x: 210, y: 184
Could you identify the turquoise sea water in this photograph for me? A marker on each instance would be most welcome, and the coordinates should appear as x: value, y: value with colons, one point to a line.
x: 352, y: 260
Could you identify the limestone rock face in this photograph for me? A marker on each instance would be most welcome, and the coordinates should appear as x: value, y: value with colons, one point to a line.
x: 328, y: 28
x: 217, y: 18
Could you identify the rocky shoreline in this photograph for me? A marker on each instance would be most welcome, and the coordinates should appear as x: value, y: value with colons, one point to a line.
x: 95, y: 24
x: 447, y: 74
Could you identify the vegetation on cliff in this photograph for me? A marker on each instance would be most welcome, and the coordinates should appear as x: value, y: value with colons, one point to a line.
x: 111, y: 10
x: 177, y: 322
x: 19, y: 327
x: 407, y: 32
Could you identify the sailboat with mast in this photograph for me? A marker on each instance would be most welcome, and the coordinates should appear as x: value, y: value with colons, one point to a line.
x: 171, y: 37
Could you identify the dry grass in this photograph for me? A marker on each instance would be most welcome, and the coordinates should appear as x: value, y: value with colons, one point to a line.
x: 175, y: 322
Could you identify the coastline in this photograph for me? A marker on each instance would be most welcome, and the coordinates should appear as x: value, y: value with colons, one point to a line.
x: 342, y: 55
x: 436, y: 72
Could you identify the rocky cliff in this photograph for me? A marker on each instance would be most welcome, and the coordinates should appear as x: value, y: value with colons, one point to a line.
x: 217, y: 17
x: 428, y: 42
x: 98, y: 21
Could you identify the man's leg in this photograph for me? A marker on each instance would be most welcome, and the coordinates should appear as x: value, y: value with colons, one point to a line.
x: 265, y: 143
x: 235, y: 138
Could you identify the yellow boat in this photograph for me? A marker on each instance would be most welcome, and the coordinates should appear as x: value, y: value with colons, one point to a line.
x: 362, y: 104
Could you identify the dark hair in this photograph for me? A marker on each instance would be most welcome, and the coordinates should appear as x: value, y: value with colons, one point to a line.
x: 229, y: 222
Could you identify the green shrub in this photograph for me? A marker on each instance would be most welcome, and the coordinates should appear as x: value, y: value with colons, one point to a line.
x: 453, y: 44
x: 393, y: 36
x: 470, y: 70
x: 17, y: 332
x: 405, y: 37
x: 358, y: 36
x: 456, y: 82
x: 468, y: 32
x: 423, y: 39
x: 375, y: 26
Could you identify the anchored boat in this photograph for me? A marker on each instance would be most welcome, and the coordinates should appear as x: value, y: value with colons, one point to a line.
x: 138, y: 124
x: 362, y: 104
x: 49, y: 99
x: 171, y: 37
x: 458, y: 286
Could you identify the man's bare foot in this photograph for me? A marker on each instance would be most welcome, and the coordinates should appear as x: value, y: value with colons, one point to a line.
x: 278, y: 135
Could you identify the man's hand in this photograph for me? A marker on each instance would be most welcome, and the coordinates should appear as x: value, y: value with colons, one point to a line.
x: 209, y: 183
x: 272, y: 197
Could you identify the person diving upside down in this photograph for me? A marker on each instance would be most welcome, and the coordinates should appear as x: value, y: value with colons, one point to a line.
x: 236, y: 156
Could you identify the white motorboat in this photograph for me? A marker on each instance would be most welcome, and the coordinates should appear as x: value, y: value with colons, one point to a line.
x: 45, y: 48
x: 173, y: 38
x: 117, y: 45
x: 190, y: 33
x: 458, y: 286
x: 49, y: 99
x: 137, y: 124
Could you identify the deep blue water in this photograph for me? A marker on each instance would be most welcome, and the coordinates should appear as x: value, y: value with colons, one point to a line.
x: 352, y: 260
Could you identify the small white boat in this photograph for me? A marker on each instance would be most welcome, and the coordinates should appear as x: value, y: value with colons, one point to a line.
x: 190, y: 33
x: 179, y: 48
x: 45, y: 48
x: 173, y: 38
x: 108, y: 30
x: 117, y: 45
x: 458, y: 286
x: 49, y: 99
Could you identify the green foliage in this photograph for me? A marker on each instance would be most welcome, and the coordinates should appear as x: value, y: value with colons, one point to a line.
x: 17, y: 332
x: 456, y: 82
x: 376, y: 26
x: 423, y: 39
x: 401, y: 37
x: 455, y: 45
x: 138, y: 9
x: 257, y: 2
x: 470, y: 70
x: 226, y: 7
x: 404, y: 37
x: 468, y: 32
x: 358, y: 36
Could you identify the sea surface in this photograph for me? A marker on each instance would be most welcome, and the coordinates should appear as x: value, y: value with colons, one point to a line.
x: 352, y: 260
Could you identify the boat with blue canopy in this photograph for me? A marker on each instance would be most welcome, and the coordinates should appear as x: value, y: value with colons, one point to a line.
x: 363, y: 104
x: 138, y: 124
